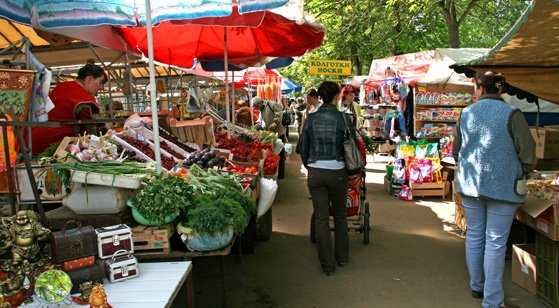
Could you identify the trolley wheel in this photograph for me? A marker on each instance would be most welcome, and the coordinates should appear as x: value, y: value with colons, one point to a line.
x: 313, y: 228
x: 366, y: 223
x: 264, y: 226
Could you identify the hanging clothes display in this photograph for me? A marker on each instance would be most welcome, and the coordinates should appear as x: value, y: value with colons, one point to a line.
x: 384, y: 104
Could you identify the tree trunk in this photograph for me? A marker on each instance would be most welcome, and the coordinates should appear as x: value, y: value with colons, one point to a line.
x: 356, y: 61
x: 453, y: 34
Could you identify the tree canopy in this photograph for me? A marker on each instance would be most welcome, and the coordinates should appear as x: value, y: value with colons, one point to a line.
x: 363, y: 30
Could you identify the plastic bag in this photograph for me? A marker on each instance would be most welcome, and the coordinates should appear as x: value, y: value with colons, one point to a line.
x: 415, y: 173
x: 421, y: 150
x: 207, y: 242
x: 405, y: 150
x: 426, y: 171
x: 399, y: 173
x: 268, y: 189
x: 406, y: 193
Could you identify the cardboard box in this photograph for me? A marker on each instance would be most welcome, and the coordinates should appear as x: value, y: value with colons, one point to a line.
x: 547, y: 142
x: 547, y: 164
x: 524, y: 266
x: 531, y: 214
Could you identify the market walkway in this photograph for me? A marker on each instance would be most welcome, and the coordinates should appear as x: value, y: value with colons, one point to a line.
x: 415, y: 259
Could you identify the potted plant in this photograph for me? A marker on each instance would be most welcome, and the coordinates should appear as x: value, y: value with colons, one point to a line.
x: 161, y: 201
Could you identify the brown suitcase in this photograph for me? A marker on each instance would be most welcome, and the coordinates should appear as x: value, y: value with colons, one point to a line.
x: 71, y: 244
x: 91, y: 273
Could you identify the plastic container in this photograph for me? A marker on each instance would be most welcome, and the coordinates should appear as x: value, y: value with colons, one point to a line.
x: 389, y: 170
x: 104, y: 179
x: 139, y: 218
x: 93, y: 199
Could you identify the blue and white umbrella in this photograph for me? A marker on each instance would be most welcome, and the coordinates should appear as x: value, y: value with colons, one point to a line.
x: 290, y: 86
x: 91, y: 20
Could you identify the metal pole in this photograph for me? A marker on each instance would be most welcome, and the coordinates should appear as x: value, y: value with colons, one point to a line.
x: 227, y: 117
x: 9, y: 171
x: 154, y: 114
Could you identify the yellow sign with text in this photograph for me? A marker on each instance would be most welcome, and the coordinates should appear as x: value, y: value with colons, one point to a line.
x: 330, y: 67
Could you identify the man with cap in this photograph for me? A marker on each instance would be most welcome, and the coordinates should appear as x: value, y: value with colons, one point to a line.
x: 271, y: 114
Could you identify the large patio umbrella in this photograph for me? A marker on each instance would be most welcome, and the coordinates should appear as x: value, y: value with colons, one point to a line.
x: 121, y: 25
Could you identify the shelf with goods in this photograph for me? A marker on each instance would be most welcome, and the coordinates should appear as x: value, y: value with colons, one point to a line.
x: 437, y: 109
x: 382, y: 104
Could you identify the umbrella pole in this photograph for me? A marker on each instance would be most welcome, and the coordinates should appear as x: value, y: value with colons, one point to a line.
x: 154, y: 114
x: 233, y: 97
x: 227, y: 117
x: 250, y: 102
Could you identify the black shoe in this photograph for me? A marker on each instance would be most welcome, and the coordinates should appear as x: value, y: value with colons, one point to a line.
x: 477, y: 294
x: 342, y: 263
x: 328, y: 273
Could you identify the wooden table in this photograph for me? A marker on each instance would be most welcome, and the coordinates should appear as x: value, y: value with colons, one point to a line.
x: 158, y: 285
x: 181, y: 255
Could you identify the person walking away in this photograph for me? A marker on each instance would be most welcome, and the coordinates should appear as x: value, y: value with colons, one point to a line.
x: 323, y: 156
x: 349, y: 106
x: 270, y: 119
x: 73, y: 100
x: 495, y: 152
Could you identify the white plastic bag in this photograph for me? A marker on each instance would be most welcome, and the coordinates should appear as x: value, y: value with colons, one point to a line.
x: 207, y: 242
x: 268, y: 189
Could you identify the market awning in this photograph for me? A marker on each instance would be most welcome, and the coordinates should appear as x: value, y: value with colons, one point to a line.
x: 53, y: 49
x: 528, y: 55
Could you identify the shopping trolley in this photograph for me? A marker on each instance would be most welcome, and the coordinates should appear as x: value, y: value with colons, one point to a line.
x: 358, y: 215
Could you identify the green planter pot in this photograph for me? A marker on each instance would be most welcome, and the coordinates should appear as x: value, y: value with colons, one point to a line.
x: 139, y: 218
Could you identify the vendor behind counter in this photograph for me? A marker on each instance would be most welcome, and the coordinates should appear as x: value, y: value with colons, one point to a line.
x: 73, y: 100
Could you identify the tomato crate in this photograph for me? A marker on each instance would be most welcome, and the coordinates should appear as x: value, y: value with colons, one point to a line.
x: 258, y: 165
x: 150, y: 239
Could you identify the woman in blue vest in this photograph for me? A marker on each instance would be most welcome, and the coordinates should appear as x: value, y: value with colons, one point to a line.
x: 494, y: 151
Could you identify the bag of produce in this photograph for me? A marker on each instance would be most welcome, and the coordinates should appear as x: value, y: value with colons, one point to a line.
x: 268, y: 189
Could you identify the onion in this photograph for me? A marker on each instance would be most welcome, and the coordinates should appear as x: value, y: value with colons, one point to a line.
x: 74, y: 149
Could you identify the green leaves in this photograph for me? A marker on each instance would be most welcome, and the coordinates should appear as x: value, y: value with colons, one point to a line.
x: 163, y: 197
x: 364, y: 30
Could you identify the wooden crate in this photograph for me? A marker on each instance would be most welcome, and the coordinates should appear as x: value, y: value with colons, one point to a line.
x: 150, y: 239
x: 199, y: 131
x: 430, y: 189
x: 61, y: 154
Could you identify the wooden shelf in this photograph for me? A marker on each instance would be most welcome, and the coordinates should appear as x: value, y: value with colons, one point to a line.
x: 440, y: 105
x: 439, y: 121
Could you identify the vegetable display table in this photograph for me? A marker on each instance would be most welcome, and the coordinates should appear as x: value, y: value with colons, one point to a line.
x: 189, y: 255
x: 157, y: 286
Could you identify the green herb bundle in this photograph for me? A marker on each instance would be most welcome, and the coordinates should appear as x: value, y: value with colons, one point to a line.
x: 164, y: 196
x: 218, y: 202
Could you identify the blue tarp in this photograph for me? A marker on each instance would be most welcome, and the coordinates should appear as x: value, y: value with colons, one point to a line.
x: 290, y: 86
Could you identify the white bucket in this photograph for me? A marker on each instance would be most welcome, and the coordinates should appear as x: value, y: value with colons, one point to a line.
x: 93, y: 199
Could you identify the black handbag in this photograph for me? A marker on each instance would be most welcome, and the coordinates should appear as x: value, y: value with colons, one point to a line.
x: 352, y: 156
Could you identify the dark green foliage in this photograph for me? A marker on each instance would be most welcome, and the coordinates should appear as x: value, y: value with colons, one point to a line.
x: 164, y: 196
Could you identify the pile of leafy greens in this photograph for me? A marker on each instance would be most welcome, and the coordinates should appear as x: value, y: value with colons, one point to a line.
x: 164, y: 196
x: 218, y: 203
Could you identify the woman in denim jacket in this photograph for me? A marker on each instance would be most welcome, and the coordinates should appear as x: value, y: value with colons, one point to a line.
x: 323, y: 155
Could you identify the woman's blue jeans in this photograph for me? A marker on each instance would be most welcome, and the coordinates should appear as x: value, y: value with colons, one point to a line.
x: 488, y: 227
